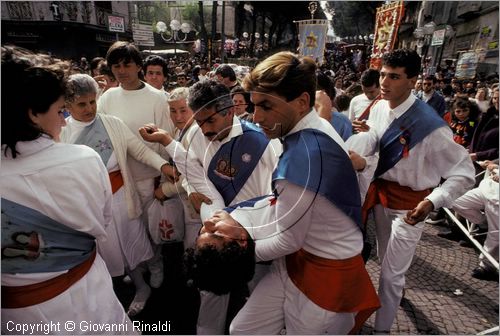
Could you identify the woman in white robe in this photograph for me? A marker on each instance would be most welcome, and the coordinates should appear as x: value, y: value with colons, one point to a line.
x: 68, y: 184
x: 128, y: 243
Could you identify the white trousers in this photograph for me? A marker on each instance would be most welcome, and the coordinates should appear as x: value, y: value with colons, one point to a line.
x: 212, y: 314
x: 396, y: 244
x: 470, y: 206
x: 213, y: 308
x: 145, y: 188
x: 276, y: 303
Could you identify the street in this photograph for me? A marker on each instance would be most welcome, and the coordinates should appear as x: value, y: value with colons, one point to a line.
x: 441, y: 296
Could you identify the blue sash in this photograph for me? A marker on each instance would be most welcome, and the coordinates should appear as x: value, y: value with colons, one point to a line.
x: 235, y: 161
x: 246, y: 204
x: 313, y: 160
x: 35, y: 243
x: 96, y: 137
x: 404, y: 133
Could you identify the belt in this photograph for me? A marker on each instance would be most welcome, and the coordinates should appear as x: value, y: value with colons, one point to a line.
x: 30, y: 295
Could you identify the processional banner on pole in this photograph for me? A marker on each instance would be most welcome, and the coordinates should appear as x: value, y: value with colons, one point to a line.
x: 312, y: 38
x: 387, y: 23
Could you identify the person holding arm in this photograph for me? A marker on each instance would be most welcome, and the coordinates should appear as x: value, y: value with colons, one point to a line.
x: 317, y: 282
x: 128, y: 244
x: 415, y: 151
x: 220, y: 160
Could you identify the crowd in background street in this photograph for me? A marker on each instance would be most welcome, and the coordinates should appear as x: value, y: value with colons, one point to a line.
x: 160, y: 127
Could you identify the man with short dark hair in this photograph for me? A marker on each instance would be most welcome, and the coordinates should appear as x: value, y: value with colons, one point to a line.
x: 238, y: 171
x: 416, y: 151
x: 360, y: 106
x: 155, y: 72
x: 431, y: 97
x: 325, y: 102
x: 226, y: 75
x: 137, y: 103
x: 182, y: 80
x: 318, y: 283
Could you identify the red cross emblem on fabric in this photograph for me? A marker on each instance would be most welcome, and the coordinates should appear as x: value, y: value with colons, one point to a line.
x: 166, y: 229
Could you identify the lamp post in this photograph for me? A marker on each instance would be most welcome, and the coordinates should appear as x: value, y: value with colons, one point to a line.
x: 258, y: 44
x: 176, y: 28
x: 424, y: 35
x: 244, y: 43
x: 449, y: 32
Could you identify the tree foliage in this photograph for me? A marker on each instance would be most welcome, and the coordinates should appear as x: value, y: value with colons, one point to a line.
x: 353, y: 18
x: 275, y: 18
x: 152, y: 12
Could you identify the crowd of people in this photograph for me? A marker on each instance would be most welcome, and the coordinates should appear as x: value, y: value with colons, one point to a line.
x: 278, y: 171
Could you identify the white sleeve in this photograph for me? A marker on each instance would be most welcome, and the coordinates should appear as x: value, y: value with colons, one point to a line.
x: 448, y: 156
x: 351, y: 114
x: 291, y: 218
x: 138, y: 150
x: 195, y: 179
x: 365, y: 144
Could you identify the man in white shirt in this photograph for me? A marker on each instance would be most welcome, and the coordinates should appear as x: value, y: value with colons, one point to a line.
x: 478, y: 205
x: 155, y: 72
x: 226, y: 75
x: 232, y: 169
x: 137, y: 103
x: 416, y: 151
x: 185, y: 127
x: 360, y: 106
x: 317, y: 283
x: 371, y: 89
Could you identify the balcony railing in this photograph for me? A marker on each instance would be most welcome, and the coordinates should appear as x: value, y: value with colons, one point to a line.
x: 21, y: 10
x: 467, y: 8
x: 102, y: 16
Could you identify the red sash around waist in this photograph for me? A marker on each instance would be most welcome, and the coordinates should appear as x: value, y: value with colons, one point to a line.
x: 391, y: 195
x: 341, y: 286
x: 116, y: 180
x: 30, y: 295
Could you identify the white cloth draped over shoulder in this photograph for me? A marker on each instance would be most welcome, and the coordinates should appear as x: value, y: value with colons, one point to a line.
x: 193, y: 162
x: 128, y: 243
x: 70, y: 184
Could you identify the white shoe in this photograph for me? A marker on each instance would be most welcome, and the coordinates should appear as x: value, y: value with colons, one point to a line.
x: 126, y: 280
x: 139, y: 302
x: 434, y: 221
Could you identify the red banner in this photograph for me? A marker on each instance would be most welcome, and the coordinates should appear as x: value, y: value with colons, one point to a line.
x: 387, y: 24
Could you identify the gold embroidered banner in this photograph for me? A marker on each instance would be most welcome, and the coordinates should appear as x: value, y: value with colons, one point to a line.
x: 387, y: 23
x: 312, y: 38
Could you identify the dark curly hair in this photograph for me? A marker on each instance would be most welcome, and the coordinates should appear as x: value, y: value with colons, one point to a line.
x: 246, y: 95
x: 370, y: 77
x: 123, y: 51
x: 465, y: 103
x: 325, y: 83
x: 220, y: 270
x: 32, y: 86
x: 403, y: 58
x: 156, y: 60
x: 209, y: 93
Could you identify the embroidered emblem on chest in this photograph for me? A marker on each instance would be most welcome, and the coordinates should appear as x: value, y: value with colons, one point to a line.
x: 224, y: 170
x: 102, y: 146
